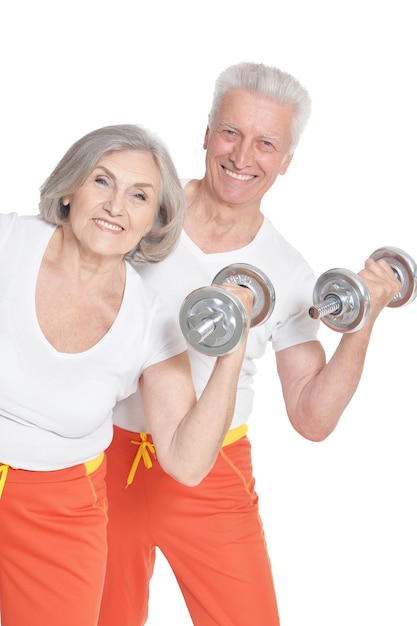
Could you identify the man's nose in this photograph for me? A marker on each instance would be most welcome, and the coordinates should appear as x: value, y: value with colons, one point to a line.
x: 243, y: 154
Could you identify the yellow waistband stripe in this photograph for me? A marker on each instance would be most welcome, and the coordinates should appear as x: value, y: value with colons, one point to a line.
x: 90, y: 467
x: 3, y: 475
x: 146, y: 448
x: 235, y: 434
x: 94, y: 464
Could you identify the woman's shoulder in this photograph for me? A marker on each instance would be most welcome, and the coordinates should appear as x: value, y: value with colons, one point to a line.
x: 14, y: 220
x: 15, y: 228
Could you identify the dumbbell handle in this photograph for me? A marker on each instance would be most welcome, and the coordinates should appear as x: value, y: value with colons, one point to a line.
x: 205, y: 328
x: 331, y: 305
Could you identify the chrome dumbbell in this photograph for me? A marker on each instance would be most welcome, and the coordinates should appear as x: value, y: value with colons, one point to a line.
x: 342, y: 300
x: 214, y: 321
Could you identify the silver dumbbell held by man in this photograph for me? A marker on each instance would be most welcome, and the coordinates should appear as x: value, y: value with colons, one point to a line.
x: 214, y: 321
x: 342, y: 300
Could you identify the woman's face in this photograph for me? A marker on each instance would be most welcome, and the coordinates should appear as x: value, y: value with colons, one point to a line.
x: 117, y: 204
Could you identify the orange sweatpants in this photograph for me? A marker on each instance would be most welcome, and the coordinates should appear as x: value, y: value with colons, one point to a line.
x: 53, y: 546
x: 211, y: 535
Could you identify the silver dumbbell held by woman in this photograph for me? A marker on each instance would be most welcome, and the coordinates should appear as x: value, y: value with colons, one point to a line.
x: 342, y: 300
x: 214, y: 321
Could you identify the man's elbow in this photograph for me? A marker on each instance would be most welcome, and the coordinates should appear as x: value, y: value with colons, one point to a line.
x: 189, y: 477
x: 315, y: 432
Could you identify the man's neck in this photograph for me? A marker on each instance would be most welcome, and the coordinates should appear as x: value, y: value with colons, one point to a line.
x: 216, y: 227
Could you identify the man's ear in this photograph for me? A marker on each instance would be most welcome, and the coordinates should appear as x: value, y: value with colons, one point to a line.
x: 285, y: 164
x: 206, y: 137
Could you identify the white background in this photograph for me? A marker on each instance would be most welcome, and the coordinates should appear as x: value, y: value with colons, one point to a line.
x: 340, y: 516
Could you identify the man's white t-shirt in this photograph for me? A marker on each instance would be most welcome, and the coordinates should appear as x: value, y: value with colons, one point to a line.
x: 189, y: 268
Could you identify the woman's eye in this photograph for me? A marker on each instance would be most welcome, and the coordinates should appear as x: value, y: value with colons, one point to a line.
x: 101, y: 180
x: 140, y: 196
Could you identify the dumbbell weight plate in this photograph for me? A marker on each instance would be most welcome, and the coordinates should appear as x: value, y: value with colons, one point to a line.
x: 249, y: 276
x: 404, y: 267
x: 350, y: 289
x: 230, y: 329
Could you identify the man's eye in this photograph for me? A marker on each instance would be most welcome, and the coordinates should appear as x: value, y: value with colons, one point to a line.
x: 267, y: 146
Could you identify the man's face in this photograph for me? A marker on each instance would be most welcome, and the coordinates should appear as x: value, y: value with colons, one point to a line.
x: 247, y: 147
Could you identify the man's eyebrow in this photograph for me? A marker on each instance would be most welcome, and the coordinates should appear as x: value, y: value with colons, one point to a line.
x: 272, y: 137
x: 229, y: 124
x: 269, y: 137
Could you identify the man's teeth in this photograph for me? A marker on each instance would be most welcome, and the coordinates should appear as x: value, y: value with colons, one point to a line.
x: 107, y: 225
x: 238, y: 176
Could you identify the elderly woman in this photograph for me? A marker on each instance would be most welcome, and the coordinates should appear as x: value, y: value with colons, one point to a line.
x: 78, y: 332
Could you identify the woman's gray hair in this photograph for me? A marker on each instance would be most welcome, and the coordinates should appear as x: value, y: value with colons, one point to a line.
x: 268, y: 82
x: 83, y: 156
